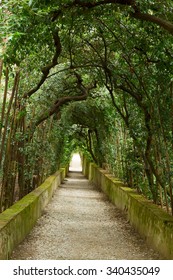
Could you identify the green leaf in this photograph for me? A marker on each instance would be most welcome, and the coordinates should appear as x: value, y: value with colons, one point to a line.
x: 30, y: 3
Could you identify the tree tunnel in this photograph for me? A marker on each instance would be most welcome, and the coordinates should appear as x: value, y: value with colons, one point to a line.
x: 88, y: 76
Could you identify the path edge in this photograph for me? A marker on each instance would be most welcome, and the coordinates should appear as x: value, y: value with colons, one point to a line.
x: 150, y: 221
x: 18, y: 220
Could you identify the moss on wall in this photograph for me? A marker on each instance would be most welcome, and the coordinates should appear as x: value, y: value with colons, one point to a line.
x: 18, y: 220
x: 153, y: 223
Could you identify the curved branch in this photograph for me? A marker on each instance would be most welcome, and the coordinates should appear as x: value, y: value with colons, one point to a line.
x: 55, y: 108
x: 89, y: 65
x: 66, y: 99
x: 89, y: 5
x: 45, y: 70
x: 167, y: 25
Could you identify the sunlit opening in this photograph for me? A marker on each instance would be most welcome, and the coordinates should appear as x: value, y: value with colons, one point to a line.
x: 76, y: 164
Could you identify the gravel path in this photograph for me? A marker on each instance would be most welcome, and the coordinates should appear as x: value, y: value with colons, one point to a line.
x: 80, y: 223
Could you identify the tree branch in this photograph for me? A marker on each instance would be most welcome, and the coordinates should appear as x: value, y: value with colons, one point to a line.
x: 89, y: 65
x: 90, y: 5
x: 167, y: 25
x: 66, y: 99
x: 45, y: 70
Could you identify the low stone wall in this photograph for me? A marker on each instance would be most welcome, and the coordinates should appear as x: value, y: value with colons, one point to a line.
x: 152, y: 223
x: 18, y: 220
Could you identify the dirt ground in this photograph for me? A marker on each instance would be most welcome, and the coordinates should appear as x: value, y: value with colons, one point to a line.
x: 80, y: 223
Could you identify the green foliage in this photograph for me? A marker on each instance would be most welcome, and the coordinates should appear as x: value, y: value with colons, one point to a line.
x: 123, y: 65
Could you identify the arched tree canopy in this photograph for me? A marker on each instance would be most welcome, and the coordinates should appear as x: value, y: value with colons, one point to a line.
x: 93, y: 75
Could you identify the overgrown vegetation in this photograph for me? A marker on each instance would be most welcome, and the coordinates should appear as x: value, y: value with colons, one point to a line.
x: 89, y: 75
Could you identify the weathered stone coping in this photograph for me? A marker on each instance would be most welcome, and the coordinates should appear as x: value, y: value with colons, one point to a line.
x: 152, y: 222
x: 18, y: 220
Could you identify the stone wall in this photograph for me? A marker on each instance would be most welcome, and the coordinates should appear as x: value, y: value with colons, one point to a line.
x: 152, y: 223
x: 18, y: 220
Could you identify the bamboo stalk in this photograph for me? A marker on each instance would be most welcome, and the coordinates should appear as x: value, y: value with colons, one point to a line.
x: 7, y: 189
x: 16, y: 80
x: 1, y: 68
x: 4, y: 99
